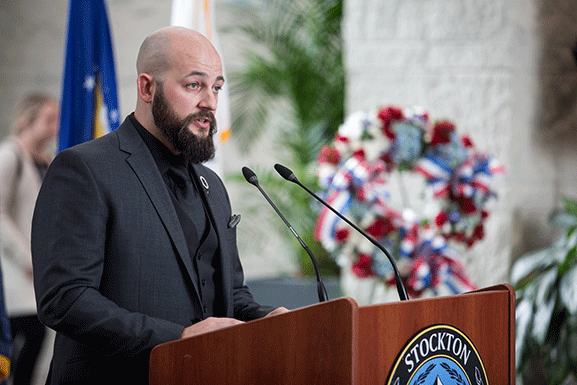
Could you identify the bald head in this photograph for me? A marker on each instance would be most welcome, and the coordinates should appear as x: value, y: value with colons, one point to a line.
x: 179, y: 78
x: 158, y: 50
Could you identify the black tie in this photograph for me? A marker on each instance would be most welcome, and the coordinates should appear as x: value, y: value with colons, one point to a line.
x: 182, y: 187
x: 186, y: 194
x: 203, y: 245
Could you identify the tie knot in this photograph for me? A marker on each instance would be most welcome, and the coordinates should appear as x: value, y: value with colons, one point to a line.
x: 181, y: 181
x: 178, y: 174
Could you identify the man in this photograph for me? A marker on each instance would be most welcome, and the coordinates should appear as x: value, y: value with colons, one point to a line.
x: 133, y: 241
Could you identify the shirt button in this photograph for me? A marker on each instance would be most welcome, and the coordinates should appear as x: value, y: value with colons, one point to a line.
x: 203, y: 282
x: 199, y: 256
x: 205, y: 309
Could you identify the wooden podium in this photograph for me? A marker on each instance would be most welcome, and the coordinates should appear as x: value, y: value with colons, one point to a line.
x: 338, y: 342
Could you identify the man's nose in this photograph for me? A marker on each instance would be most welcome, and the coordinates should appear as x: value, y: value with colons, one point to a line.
x: 209, y: 100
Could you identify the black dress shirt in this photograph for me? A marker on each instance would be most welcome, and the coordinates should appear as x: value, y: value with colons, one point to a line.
x: 195, y: 222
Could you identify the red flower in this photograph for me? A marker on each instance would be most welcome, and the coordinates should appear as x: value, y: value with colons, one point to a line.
x: 442, y: 132
x: 467, y: 142
x: 388, y: 115
x: 381, y: 227
x: 361, y: 194
x: 388, y: 160
x: 342, y: 235
x: 329, y: 155
x: 479, y: 232
x: 441, y: 219
x: 459, y: 237
x: 362, y: 267
x: 467, y: 206
x: 359, y: 154
x: 341, y: 138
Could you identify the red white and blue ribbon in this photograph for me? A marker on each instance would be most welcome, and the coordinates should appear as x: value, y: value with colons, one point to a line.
x: 354, y: 171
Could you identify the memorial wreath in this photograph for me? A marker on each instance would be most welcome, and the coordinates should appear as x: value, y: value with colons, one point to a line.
x: 355, y: 172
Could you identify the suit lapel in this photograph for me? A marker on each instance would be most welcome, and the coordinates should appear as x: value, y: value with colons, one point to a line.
x: 145, y: 168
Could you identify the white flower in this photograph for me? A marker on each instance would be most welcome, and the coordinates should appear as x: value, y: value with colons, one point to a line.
x: 354, y: 126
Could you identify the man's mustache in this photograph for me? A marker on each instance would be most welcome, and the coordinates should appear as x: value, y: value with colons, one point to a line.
x: 202, y: 114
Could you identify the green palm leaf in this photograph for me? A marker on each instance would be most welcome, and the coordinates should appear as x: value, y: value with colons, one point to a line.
x: 291, y: 83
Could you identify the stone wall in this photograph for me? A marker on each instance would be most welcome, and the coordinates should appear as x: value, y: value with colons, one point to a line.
x: 31, y: 47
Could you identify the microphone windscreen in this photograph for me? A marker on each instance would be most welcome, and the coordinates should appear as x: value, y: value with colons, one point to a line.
x: 249, y: 175
x: 285, y: 172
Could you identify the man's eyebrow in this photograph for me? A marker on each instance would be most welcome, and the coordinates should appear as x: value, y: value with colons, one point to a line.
x: 204, y: 75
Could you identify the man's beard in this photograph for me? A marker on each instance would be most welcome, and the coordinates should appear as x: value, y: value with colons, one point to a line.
x: 194, y: 149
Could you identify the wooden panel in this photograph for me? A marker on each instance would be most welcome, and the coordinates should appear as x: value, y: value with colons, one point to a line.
x: 486, y: 317
x: 309, y: 345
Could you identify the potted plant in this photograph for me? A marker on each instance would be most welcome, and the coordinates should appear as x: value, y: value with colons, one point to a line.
x: 546, y: 284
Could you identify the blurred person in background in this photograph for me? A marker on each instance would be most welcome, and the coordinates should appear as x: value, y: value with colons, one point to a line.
x: 24, y: 159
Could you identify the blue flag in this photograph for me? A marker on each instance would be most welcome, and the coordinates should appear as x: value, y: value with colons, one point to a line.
x: 89, y: 96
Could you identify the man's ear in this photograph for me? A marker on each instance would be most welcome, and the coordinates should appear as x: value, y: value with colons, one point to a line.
x: 146, y: 87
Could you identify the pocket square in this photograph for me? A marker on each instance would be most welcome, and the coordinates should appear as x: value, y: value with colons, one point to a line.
x: 233, y: 221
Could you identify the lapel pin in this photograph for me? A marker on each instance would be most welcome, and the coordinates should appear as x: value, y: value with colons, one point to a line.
x: 204, y: 183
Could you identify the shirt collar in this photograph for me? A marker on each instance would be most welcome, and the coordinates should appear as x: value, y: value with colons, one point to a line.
x: 162, y: 155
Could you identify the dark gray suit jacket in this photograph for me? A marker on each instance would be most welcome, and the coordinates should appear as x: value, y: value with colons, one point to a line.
x: 113, y: 275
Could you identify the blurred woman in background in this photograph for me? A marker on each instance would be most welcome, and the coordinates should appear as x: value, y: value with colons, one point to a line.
x: 24, y: 158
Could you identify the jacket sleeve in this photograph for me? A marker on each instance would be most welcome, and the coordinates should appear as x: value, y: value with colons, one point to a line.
x: 68, y: 250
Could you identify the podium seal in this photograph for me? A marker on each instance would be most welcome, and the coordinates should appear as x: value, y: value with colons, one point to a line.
x: 438, y: 355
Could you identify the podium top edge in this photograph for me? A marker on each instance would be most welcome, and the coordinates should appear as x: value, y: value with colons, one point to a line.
x: 495, y: 288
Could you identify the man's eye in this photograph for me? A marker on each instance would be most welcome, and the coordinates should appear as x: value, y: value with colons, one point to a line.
x: 217, y: 89
x: 192, y: 86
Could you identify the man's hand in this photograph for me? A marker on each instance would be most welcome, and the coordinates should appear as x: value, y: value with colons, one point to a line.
x: 277, y: 311
x: 208, y: 325
x: 215, y: 323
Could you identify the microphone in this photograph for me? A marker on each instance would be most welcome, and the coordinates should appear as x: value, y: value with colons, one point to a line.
x: 290, y: 176
x: 251, y: 178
